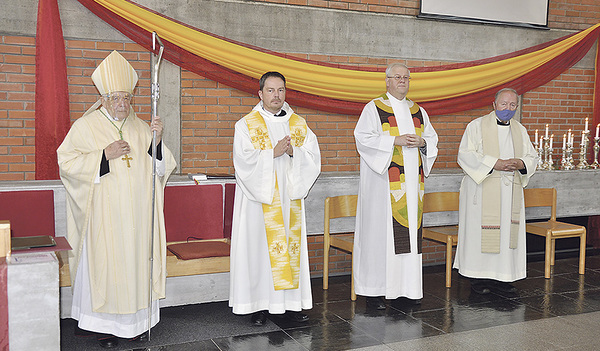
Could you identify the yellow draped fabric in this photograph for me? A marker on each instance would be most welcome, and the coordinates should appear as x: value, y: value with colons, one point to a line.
x: 339, y: 83
x: 284, y: 253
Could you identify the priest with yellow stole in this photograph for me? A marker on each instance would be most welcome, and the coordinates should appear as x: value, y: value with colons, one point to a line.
x: 498, y: 160
x: 105, y: 165
x: 277, y: 160
x: 397, y: 146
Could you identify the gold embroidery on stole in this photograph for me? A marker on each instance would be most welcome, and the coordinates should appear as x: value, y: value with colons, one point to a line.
x: 283, y: 253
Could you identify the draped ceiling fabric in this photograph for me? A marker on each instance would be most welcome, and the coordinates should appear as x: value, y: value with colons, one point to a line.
x: 343, y: 88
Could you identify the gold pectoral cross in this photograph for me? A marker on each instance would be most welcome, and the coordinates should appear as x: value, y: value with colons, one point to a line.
x: 126, y: 158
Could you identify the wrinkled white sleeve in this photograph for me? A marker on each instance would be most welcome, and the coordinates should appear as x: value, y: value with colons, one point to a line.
x: 470, y: 153
x: 431, y: 138
x: 254, y: 169
x: 374, y: 147
x: 306, y: 166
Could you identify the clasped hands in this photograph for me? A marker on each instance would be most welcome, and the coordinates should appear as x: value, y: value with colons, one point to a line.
x: 119, y: 148
x: 509, y: 165
x: 409, y: 140
x: 283, y: 146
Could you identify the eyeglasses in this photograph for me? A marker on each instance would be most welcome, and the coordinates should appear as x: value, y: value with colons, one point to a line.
x: 399, y: 78
x: 115, y: 98
x: 512, y: 105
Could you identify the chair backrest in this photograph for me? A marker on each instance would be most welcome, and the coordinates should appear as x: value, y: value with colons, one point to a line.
x: 194, y: 211
x: 440, y: 201
x: 30, y: 212
x: 339, y: 206
x: 541, y: 197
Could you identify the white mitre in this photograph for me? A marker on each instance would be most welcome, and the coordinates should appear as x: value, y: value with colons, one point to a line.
x: 114, y: 73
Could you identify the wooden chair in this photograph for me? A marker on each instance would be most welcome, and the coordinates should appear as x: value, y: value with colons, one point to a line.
x: 337, y: 207
x: 552, y: 229
x: 448, y: 234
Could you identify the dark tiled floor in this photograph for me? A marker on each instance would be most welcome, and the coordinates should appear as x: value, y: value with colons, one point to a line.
x: 336, y: 323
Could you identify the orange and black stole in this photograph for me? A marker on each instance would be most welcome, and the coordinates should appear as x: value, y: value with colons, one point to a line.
x: 397, y: 181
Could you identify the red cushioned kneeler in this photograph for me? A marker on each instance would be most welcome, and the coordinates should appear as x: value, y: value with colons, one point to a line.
x: 194, y: 211
x: 199, y: 249
x: 29, y: 212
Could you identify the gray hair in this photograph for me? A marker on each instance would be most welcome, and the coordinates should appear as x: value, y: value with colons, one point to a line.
x: 395, y: 64
x: 503, y: 90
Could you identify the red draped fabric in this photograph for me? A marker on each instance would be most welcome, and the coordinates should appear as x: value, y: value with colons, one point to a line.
x: 212, y: 70
x: 52, y: 119
x: 3, y: 306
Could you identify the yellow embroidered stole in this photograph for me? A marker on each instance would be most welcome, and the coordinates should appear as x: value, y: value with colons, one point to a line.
x: 397, y: 179
x: 284, y: 253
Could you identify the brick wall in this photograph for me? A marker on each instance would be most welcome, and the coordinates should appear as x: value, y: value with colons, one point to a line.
x: 17, y: 110
x: 573, y: 14
x: 210, y: 110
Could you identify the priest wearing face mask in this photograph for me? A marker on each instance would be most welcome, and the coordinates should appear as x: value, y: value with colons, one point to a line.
x: 498, y: 160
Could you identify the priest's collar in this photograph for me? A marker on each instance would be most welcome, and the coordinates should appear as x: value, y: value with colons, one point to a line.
x: 502, y: 123
x: 284, y: 112
x: 392, y: 97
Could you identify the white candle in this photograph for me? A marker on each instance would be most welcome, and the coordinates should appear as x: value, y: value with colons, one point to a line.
x: 564, y: 141
x: 586, y: 124
x: 582, y: 138
x: 597, y: 127
x: 536, y: 137
x: 572, y: 139
x: 546, y: 131
x: 569, y: 138
x: 551, y: 137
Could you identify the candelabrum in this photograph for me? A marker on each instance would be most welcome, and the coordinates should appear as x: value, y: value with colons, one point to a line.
x: 567, y: 157
x: 583, y: 164
x: 540, y: 151
x: 545, y: 153
x: 595, y: 165
x: 550, y: 159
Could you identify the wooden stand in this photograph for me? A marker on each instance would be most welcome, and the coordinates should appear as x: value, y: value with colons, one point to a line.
x: 4, y: 238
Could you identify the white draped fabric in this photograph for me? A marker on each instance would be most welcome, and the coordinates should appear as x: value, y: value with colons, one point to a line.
x: 378, y: 271
x: 251, y: 281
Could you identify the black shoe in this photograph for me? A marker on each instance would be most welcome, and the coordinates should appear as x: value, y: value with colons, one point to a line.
x: 82, y: 333
x: 107, y: 341
x: 258, y: 318
x: 405, y: 301
x: 143, y: 337
x: 503, y: 287
x: 376, y: 303
x: 297, y: 317
x: 481, y: 289
x: 415, y: 302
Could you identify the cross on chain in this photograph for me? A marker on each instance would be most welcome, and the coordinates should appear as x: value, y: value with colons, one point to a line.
x: 126, y: 158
